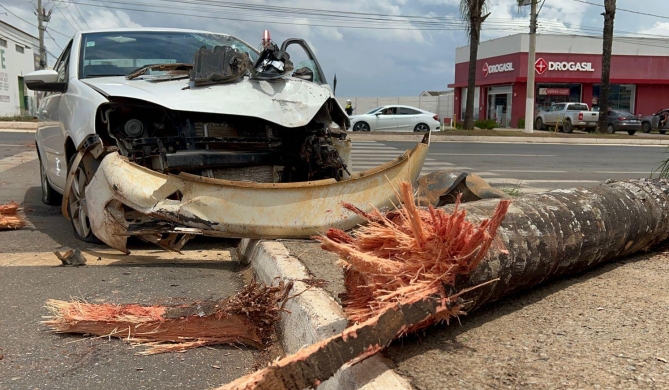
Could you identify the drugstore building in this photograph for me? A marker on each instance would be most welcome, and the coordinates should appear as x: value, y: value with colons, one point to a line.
x: 567, y: 69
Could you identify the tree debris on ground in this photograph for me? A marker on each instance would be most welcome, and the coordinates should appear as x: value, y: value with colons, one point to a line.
x: 397, y: 269
x: 10, y: 218
x: 542, y: 237
x: 247, y: 318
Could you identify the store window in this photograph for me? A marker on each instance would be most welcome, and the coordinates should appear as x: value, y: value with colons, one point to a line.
x: 621, y: 96
x: 548, y: 94
x: 463, y: 103
x: 499, y: 104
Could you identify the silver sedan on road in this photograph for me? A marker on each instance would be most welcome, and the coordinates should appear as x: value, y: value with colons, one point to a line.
x: 395, y: 118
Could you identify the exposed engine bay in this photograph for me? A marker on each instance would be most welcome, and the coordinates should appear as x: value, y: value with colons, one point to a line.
x: 224, y: 146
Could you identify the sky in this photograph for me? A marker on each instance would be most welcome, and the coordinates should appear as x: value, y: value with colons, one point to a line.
x: 375, y: 47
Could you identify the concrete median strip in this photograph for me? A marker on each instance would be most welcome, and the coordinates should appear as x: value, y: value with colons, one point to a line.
x: 313, y: 316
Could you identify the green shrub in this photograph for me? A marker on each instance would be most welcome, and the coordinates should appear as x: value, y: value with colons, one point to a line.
x: 487, y: 124
x: 17, y: 118
x: 521, y: 123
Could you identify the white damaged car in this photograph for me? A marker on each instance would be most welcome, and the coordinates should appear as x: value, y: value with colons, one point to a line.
x: 165, y: 134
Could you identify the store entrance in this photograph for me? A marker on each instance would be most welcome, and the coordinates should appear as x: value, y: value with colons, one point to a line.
x: 499, y: 105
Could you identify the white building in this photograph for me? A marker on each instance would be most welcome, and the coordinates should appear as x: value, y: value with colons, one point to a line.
x: 19, y: 54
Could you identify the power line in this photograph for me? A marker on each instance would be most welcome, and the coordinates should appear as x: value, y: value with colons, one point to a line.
x: 65, y: 18
x: 73, y: 18
x: 625, y: 10
x: 82, y: 16
x: 53, y: 39
x: 27, y: 22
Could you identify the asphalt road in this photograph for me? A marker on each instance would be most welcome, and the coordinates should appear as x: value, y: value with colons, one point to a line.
x: 526, y: 167
x: 33, y: 358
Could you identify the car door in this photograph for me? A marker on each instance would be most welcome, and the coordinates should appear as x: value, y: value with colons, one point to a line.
x: 51, y: 131
x: 408, y: 118
x: 386, y: 119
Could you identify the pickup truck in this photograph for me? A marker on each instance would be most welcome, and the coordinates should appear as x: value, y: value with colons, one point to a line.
x: 568, y: 116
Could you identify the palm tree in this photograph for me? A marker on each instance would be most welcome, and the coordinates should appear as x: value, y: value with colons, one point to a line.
x: 609, y: 16
x: 472, y: 12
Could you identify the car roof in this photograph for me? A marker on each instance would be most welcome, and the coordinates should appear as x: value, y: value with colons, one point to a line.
x: 150, y: 29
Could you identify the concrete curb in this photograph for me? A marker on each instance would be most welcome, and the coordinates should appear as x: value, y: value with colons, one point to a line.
x: 313, y: 316
x: 18, y: 125
x: 436, y: 137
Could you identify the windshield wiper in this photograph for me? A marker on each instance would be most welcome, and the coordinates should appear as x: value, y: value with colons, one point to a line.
x: 178, y: 67
x: 91, y: 76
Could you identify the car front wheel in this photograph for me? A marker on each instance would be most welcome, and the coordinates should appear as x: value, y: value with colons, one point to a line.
x: 539, y: 124
x: 610, y: 129
x: 76, y: 205
x: 361, y: 126
x: 646, y: 127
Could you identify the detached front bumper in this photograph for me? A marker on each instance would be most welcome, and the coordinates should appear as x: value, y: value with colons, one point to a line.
x: 189, y: 205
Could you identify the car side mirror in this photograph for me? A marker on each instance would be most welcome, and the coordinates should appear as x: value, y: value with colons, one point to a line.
x: 44, y: 80
x: 378, y: 113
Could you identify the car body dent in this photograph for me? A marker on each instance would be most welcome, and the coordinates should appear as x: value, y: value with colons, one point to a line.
x: 288, y: 102
x: 233, y: 209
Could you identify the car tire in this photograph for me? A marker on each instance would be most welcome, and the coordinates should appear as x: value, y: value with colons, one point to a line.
x: 421, y: 127
x: 631, y: 132
x: 361, y: 126
x: 663, y: 131
x: 49, y: 195
x: 646, y: 127
x: 539, y: 124
x: 76, y: 204
x: 567, y: 127
x: 610, y: 129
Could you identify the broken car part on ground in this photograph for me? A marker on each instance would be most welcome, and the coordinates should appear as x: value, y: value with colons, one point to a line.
x: 542, y: 237
x: 238, y: 143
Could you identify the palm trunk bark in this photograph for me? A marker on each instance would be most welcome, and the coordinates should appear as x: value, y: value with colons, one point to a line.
x: 544, y: 237
x: 609, y: 16
x: 474, y: 39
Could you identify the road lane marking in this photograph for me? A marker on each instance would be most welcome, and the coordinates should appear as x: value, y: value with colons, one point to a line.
x: 108, y: 256
x: 17, y: 159
x: 524, y: 171
x: 492, y: 155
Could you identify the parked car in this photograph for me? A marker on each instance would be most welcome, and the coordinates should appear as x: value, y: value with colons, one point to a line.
x: 568, y: 116
x: 658, y: 121
x: 621, y: 120
x: 395, y: 118
x: 168, y: 133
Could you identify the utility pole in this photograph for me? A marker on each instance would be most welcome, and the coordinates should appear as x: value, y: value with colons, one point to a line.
x: 531, y: 59
x: 42, y: 17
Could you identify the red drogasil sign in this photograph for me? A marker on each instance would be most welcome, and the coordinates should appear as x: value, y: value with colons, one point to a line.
x: 541, y: 66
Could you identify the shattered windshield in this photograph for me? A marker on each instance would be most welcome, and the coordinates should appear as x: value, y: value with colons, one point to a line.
x: 119, y: 53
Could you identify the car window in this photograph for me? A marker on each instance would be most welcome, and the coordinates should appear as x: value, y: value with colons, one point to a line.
x: 578, y: 107
x: 559, y: 107
x: 407, y: 111
x: 374, y: 110
x: 389, y: 111
x: 62, y: 63
x: 119, y: 53
x: 624, y: 113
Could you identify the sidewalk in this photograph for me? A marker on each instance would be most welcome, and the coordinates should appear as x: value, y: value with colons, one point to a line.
x: 506, y: 136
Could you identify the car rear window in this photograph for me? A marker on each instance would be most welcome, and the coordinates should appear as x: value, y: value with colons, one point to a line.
x: 578, y: 107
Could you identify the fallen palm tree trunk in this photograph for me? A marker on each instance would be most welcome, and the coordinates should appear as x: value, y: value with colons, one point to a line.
x: 246, y: 318
x: 543, y: 237
x: 9, y: 217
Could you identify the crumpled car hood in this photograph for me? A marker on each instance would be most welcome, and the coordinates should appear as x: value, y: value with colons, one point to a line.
x: 288, y: 102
